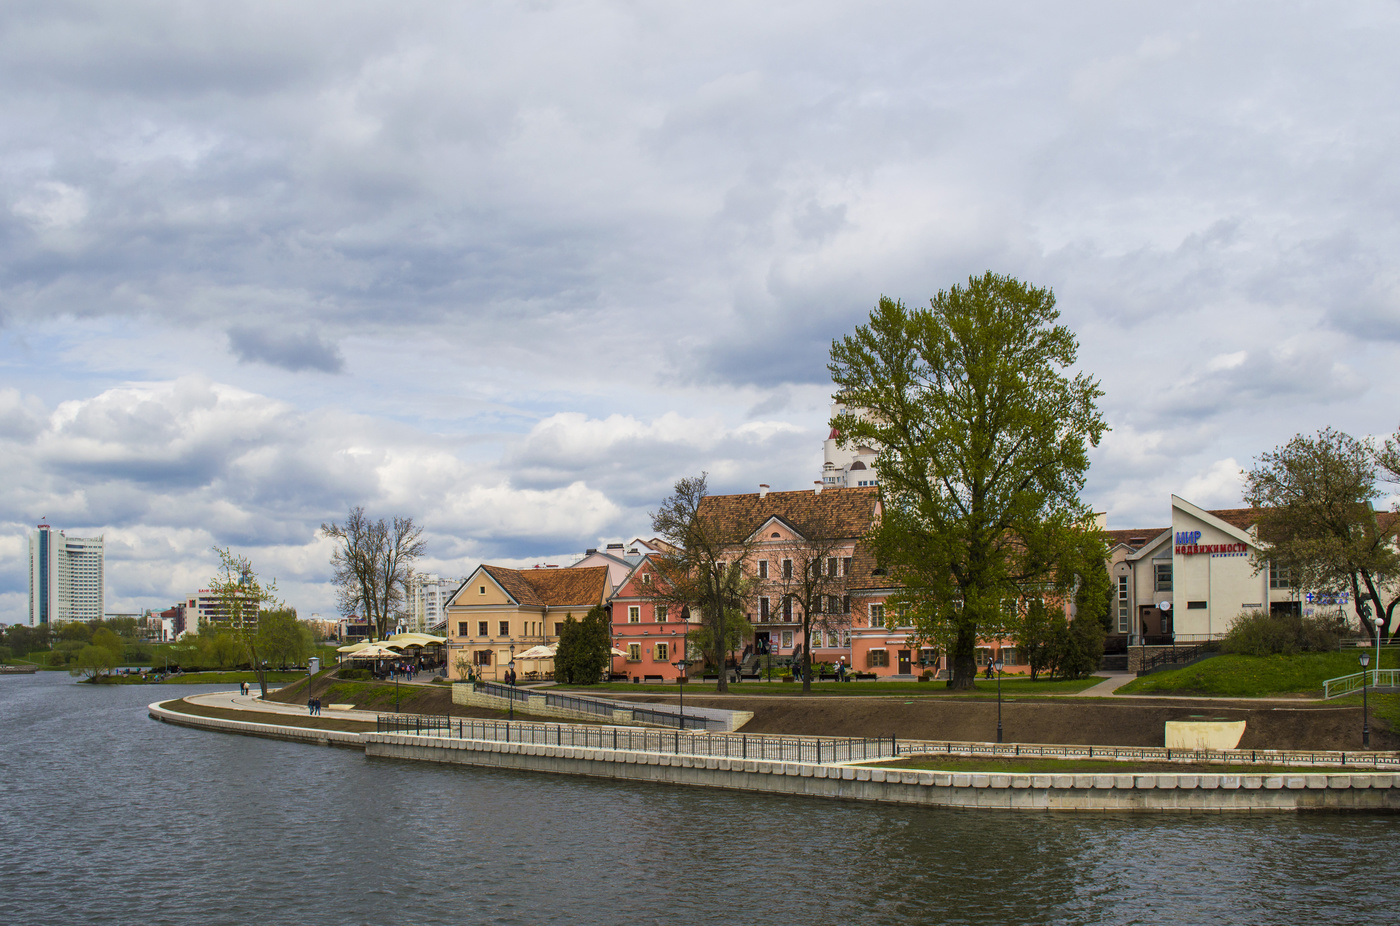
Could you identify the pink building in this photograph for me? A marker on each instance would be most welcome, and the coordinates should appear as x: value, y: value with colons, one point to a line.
x: 651, y: 635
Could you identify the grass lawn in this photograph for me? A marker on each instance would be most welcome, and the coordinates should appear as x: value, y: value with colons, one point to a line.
x: 1254, y: 676
x: 281, y: 720
x: 1018, y: 687
x: 1039, y: 766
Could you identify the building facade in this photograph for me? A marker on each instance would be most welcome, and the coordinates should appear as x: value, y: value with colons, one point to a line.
x: 428, y: 596
x: 846, y: 467
x: 67, y: 577
x: 651, y: 636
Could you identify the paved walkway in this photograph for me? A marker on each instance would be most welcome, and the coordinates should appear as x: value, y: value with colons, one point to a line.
x: 251, y: 702
x: 1109, y: 686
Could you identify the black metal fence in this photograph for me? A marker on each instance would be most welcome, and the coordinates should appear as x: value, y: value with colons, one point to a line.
x: 1369, y: 760
x: 632, y: 739
x: 600, y: 707
x: 1178, y: 656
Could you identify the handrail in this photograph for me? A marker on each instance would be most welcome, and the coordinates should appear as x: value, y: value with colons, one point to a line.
x: 1350, y: 684
x: 599, y: 707
x: 635, y: 739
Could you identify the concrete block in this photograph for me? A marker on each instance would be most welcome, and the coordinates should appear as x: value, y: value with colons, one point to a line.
x: 1382, y: 781
x: 1001, y: 781
x: 909, y: 778
x: 1188, y: 782
x: 1064, y: 781
x: 1123, y: 781
x: 1083, y: 781
x: 1274, y: 783
x: 1339, y: 782
x: 1166, y: 782
x: 877, y: 774
x: 1145, y: 782
x: 1316, y: 782
x: 942, y: 779
x: 1361, y: 781
x: 848, y: 774
x: 863, y: 774
x: 926, y: 778
x: 1103, y: 782
x: 1251, y: 782
x: 790, y: 768
x: 806, y: 771
x: 1042, y: 781
x: 1210, y: 782
x: 962, y: 781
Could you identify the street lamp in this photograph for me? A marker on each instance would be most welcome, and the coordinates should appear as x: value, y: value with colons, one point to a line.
x: 1365, y: 718
x: 511, y: 666
x: 682, y: 665
x: 997, y: 665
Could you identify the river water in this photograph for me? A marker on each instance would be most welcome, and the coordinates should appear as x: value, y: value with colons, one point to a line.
x: 110, y: 817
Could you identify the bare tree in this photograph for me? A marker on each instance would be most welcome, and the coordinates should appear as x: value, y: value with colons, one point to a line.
x: 373, y: 563
x: 704, y: 568
x: 809, y: 576
x: 241, y: 600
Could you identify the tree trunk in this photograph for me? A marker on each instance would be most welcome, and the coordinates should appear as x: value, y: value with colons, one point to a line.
x: 963, y: 662
x: 721, y: 654
x: 806, y: 652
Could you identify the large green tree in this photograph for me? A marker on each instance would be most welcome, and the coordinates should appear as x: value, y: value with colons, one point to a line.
x: 982, y: 433
x: 1319, y: 521
x: 585, y: 648
x: 703, y: 569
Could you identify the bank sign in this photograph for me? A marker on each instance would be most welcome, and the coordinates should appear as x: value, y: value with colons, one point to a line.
x: 1188, y: 543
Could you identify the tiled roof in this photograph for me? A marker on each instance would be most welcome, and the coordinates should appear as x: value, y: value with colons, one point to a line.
x: 837, y: 512
x: 863, y: 572
x: 1243, y: 518
x: 553, y: 588
x: 1143, y: 534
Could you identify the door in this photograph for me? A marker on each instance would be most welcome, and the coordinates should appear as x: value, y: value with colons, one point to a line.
x: 904, y: 662
x: 760, y: 642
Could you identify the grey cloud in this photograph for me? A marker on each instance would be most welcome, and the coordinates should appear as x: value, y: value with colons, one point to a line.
x: 290, y: 351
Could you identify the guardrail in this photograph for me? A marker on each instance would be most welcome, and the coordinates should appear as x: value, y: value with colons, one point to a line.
x: 1350, y: 684
x: 817, y: 749
x: 599, y: 707
x: 1369, y: 760
x: 1178, y: 656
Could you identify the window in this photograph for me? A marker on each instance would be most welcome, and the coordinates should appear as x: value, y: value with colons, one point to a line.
x: 1195, y: 605
x: 787, y: 569
x: 1279, y: 577
x: 817, y: 604
x: 481, y: 590
x: 846, y: 566
x: 984, y: 655
x: 1010, y: 656
x: 831, y: 565
x: 481, y: 630
x: 763, y: 609
x: 816, y: 641
x: 877, y: 616
x: 787, y: 639
x: 833, y: 604
x: 634, y: 614
x: 663, y: 653
x: 1123, y: 600
x: 634, y: 652
x: 787, y: 607
x: 482, y: 657
x: 505, y: 628
x: 557, y: 625
x: 1162, y: 573
x: 462, y: 629
x: 877, y: 659
x: 660, y: 613
x: 763, y: 569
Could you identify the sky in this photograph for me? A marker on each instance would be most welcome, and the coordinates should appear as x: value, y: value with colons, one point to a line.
x: 514, y: 268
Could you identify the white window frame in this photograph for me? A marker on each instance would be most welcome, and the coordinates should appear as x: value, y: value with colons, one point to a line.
x: 634, y: 614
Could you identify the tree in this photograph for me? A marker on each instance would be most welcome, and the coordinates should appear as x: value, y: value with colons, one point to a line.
x: 585, y: 648
x: 373, y: 563
x: 94, y: 662
x: 704, y: 567
x: 812, y: 584
x: 982, y: 438
x: 1319, y: 524
x: 1035, y: 638
x: 241, y: 599
x: 282, y: 639
x: 714, y: 648
x: 1093, y: 599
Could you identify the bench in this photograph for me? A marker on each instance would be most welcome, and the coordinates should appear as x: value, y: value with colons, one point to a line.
x: 341, y: 707
x: 654, y: 678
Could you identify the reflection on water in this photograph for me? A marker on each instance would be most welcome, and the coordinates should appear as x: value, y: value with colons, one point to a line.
x: 111, y: 817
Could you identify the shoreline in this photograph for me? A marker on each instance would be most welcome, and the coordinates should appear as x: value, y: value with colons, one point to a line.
x: 1228, y: 792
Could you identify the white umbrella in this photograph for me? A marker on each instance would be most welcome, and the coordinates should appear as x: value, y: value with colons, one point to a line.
x: 618, y: 652
x: 539, y: 652
x: 376, y: 651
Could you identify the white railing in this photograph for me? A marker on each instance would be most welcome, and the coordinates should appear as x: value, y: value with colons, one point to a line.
x: 1350, y: 684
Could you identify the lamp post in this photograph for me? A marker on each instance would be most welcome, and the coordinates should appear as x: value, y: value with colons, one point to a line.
x: 682, y: 665
x: 1365, y: 717
x: 510, y: 677
x: 997, y: 665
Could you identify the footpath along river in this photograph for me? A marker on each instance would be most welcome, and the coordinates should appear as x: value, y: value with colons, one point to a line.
x: 110, y: 817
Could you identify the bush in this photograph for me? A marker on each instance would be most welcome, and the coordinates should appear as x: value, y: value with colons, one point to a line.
x: 1259, y: 633
x: 354, y: 675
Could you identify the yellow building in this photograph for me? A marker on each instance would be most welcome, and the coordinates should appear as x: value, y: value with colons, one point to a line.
x: 499, y: 612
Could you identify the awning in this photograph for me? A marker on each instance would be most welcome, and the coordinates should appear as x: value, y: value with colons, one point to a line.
x: 376, y: 651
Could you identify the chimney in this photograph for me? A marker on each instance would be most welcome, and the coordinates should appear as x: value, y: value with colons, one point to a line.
x: 763, y: 490
x: 818, y: 484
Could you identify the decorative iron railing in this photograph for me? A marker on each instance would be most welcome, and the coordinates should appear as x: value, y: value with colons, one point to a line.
x: 1350, y: 684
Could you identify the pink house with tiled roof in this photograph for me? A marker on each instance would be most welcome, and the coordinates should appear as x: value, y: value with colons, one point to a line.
x: 651, y: 635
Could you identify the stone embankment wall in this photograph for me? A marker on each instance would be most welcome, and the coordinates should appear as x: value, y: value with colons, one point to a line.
x: 1110, y: 793
x: 250, y: 728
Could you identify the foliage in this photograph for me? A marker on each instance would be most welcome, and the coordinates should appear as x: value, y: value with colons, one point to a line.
x: 373, y: 563
x: 1034, y: 639
x: 704, y: 568
x: 1082, y: 649
x: 94, y: 662
x: 352, y: 675
x: 585, y: 648
x: 982, y: 439
x: 282, y: 639
x: 709, y: 645
x: 1259, y: 633
x: 1094, y: 597
x: 1319, y: 522
x: 242, y: 598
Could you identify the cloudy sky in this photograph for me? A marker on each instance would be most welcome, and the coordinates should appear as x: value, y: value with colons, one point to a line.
x: 512, y: 268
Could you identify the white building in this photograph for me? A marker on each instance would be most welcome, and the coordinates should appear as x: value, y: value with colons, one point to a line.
x: 67, y: 577
x: 846, y: 467
x: 428, y: 596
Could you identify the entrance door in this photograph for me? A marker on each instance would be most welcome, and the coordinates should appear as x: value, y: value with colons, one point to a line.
x: 760, y: 642
x: 904, y: 662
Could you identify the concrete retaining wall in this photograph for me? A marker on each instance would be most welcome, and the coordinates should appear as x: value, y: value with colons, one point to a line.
x: 249, y: 728
x: 1105, y: 793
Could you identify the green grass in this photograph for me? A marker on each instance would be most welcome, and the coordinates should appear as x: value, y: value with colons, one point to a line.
x: 1254, y: 676
x: 1010, y: 688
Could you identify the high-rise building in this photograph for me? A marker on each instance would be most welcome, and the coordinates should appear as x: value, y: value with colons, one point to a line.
x: 67, y: 577
x: 427, y: 601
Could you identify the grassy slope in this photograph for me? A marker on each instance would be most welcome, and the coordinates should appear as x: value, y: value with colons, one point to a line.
x: 1010, y: 688
x: 1254, y: 676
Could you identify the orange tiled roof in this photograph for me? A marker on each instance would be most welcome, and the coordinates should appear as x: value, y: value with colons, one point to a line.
x: 553, y: 588
x: 840, y: 512
x: 1143, y: 534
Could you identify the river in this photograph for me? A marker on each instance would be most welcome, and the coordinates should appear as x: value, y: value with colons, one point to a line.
x: 110, y: 817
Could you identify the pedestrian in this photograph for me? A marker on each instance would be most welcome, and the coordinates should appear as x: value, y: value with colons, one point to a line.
x: 310, y: 705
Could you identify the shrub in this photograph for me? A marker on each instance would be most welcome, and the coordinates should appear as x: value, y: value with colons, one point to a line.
x: 354, y: 675
x: 1259, y: 633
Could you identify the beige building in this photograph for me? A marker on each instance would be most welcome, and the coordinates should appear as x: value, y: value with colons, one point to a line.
x: 498, y: 612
